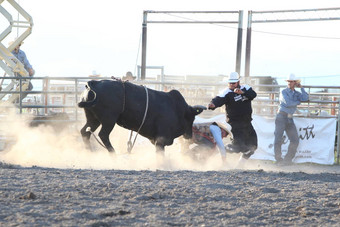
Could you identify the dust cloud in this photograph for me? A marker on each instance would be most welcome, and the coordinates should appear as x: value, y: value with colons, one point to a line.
x: 42, y: 146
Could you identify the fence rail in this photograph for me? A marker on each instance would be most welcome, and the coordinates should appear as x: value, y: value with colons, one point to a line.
x: 64, y: 93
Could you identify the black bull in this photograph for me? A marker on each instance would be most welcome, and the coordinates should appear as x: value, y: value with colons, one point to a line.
x: 108, y: 102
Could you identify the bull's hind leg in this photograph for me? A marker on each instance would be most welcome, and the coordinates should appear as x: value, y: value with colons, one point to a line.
x: 91, y: 123
x: 159, y: 148
x: 104, y: 134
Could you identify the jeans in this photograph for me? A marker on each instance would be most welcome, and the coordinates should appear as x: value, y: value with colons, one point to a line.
x: 217, y: 134
x: 29, y: 88
x: 285, y: 123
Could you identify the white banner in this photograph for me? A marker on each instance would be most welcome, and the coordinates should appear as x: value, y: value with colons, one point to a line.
x: 316, y: 145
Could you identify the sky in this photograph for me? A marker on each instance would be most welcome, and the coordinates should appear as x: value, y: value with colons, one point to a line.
x: 82, y: 37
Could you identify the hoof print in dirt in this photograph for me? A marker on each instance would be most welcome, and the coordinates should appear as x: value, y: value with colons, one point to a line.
x: 30, y: 195
x: 112, y: 214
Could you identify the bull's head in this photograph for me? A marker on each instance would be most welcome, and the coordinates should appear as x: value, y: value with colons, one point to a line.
x: 189, y: 119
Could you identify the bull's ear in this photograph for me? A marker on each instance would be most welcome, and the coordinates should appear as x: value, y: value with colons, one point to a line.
x: 198, y: 109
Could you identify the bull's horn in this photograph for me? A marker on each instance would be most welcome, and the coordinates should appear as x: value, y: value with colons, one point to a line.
x: 198, y: 109
x: 200, y: 106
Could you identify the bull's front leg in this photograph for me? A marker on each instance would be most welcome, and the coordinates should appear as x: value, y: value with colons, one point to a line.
x: 160, y: 143
x: 163, y: 141
x: 185, y: 144
x: 160, y: 148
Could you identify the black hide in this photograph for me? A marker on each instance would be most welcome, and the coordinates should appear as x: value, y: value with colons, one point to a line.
x: 108, y: 102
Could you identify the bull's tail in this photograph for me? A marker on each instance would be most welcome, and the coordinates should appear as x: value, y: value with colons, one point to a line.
x: 89, y: 97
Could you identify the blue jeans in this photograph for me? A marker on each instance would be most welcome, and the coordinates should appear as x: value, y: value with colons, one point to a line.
x: 29, y: 88
x: 217, y: 134
x: 284, y: 123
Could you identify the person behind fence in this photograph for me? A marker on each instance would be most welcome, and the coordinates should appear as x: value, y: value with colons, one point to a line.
x: 237, y: 100
x: 128, y: 76
x: 289, y: 99
x: 21, y: 56
x: 208, y: 136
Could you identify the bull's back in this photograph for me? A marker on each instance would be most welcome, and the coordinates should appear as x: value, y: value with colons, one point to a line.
x: 166, y: 103
x: 166, y: 112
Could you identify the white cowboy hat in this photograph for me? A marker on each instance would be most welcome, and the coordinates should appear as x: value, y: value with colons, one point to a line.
x: 128, y: 76
x: 224, y: 125
x: 292, y: 77
x: 233, y: 77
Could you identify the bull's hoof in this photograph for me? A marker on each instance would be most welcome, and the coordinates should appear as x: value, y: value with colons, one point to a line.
x: 247, y: 154
x: 111, y: 150
x: 230, y: 149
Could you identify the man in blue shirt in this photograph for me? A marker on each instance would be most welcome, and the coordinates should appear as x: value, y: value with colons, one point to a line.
x: 21, y: 56
x: 289, y: 99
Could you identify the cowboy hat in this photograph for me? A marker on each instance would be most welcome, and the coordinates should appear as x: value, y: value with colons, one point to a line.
x: 292, y: 77
x: 128, y: 76
x: 233, y: 77
x: 224, y: 125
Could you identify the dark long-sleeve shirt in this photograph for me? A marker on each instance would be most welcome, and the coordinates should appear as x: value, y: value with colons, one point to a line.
x: 238, y: 107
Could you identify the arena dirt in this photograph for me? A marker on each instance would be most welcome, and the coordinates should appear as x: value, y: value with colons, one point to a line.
x: 50, y: 179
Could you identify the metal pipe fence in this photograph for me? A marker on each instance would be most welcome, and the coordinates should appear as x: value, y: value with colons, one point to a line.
x: 64, y: 93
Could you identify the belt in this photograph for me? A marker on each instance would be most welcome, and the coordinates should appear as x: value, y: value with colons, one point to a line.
x: 286, y: 114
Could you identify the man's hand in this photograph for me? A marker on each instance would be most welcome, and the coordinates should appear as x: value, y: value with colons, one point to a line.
x: 211, y: 106
x: 31, y: 72
x: 238, y: 91
x: 298, y: 85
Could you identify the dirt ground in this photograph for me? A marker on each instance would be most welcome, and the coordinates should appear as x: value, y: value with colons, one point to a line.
x: 303, y: 195
x: 49, y: 179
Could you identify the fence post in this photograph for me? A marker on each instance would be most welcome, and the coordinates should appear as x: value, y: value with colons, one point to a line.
x: 333, y: 109
x: 272, y: 97
x: 76, y: 109
x: 20, y: 95
x: 338, y: 136
x: 45, y: 88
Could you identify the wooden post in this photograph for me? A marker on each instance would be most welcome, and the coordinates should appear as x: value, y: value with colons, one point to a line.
x: 239, y: 43
x: 333, y: 105
x: 144, y: 37
x: 45, y: 88
x: 248, y: 46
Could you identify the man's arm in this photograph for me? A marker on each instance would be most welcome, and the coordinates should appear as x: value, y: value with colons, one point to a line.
x: 249, y: 93
x: 216, y: 102
x: 219, y: 100
x: 31, y: 72
x: 27, y: 64
x: 304, y: 95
